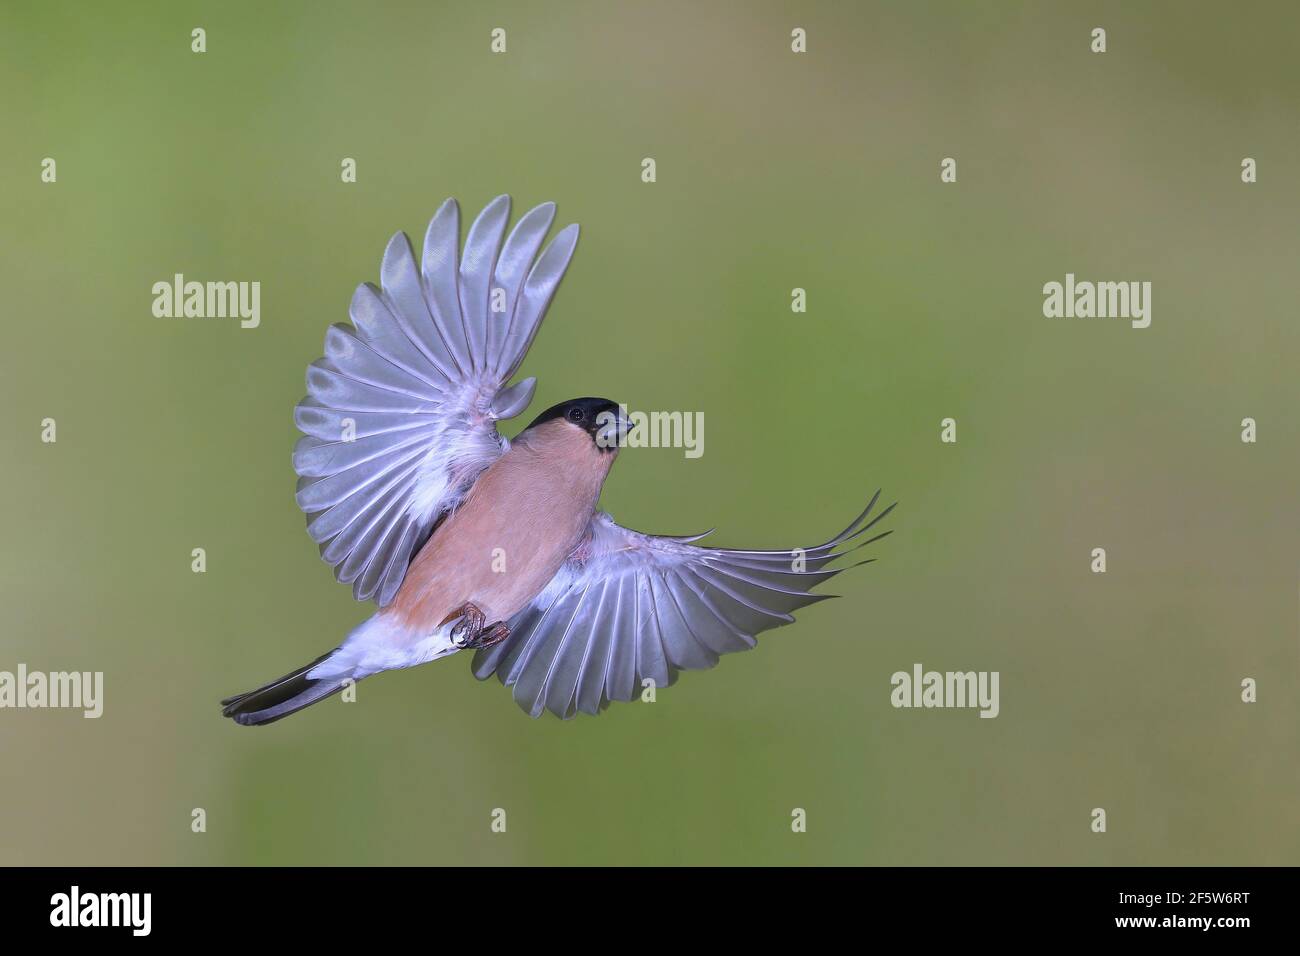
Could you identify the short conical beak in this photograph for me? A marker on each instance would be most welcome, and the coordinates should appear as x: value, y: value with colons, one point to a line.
x: 614, y: 432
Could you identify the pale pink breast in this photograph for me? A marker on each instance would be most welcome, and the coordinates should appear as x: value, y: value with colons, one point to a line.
x: 521, y: 520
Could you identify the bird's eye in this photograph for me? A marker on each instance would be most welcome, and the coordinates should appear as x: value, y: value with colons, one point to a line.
x: 575, y: 414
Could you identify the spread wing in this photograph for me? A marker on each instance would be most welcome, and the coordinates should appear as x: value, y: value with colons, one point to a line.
x: 629, y: 606
x: 400, y: 415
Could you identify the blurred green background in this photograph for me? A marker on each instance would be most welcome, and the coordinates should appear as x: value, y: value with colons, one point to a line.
x: 775, y: 171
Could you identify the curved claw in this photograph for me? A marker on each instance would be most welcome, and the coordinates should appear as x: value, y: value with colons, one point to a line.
x: 466, y: 630
x: 491, y: 637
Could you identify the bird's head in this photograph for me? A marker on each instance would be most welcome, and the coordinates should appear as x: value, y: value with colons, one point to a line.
x: 603, y: 421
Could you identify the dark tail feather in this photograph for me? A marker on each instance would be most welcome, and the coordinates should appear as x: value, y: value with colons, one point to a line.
x: 280, y: 698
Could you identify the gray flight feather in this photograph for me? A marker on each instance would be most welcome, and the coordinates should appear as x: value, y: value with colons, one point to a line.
x: 629, y: 606
x: 400, y: 414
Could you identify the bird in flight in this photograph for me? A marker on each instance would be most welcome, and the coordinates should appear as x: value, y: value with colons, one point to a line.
x: 468, y: 541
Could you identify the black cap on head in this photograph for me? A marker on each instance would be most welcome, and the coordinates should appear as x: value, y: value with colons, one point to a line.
x: 592, y: 415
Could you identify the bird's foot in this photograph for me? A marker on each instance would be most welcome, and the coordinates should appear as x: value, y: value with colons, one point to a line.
x: 469, y: 632
x: 491, y: 636
x: 468, y: 627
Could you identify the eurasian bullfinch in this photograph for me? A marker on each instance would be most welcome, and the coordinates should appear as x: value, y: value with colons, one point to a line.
x: 469, y: 541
